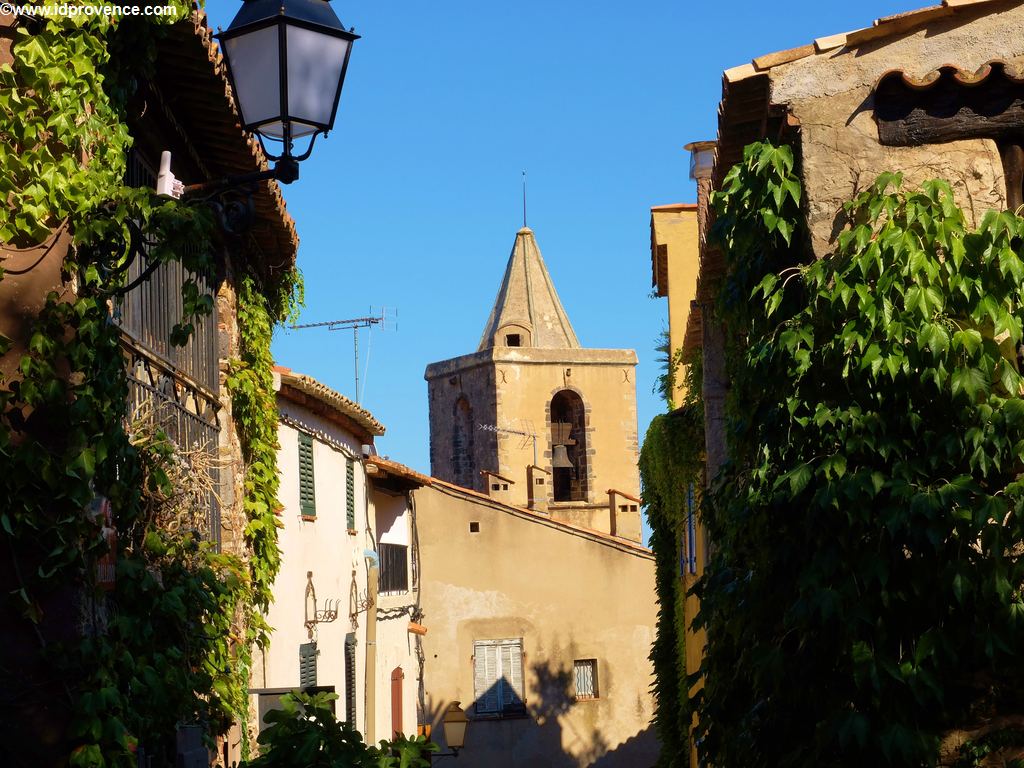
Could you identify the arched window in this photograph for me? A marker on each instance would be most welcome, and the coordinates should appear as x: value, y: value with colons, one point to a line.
x: 568, y: 447
x: 462, y: 443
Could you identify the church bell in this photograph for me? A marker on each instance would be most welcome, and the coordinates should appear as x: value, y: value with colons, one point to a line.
x: 560, y: 458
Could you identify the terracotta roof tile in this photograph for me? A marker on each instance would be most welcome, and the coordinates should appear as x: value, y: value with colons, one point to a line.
x: 334, y: 400
x: 399, y: 470
x: 882, y: 27
x: 540, y: 517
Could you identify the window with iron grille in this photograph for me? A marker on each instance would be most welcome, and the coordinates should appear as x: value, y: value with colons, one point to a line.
x: 394, y: 569
x: 350, y: 494
x: 498, y: 677
x: 307, y: 665
x: 691, y: 531
x: 584, y: 672
x: 350, y: 678
x: 307, y: 489
x: 177, y: 386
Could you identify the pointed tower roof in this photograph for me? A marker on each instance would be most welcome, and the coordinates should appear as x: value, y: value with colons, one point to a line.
x: 527, y: 304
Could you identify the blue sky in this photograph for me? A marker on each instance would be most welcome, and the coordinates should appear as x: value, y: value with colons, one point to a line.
x: 414, y: 199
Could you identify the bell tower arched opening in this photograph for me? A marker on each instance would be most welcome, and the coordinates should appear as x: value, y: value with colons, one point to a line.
x: 462, y: 443
x: 568, y: 447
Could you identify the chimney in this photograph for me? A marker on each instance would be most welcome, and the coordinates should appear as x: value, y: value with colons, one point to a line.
x: 538, y: 483
x: 624, y: 513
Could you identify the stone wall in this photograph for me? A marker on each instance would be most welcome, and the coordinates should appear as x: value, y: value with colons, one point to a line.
x: 831, y: 95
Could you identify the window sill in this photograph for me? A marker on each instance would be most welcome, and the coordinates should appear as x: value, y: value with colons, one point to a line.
x: 352, y: 531
x: 491, y: 716
x: 588, y: 698
x: 308, y: 518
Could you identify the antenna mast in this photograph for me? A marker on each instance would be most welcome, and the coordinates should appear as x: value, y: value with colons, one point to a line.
x: 355, y: 324
x: 529, y: 435
x: 524, y: 198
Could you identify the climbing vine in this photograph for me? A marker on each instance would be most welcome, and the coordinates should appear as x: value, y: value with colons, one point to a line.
x: 98, y: 676
x: 671, y: 466
x: 864, y: 594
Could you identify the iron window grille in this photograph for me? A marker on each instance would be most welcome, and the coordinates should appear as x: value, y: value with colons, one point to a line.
x: 394, y: 569
x: 584, y: 672
x: 691, y: 531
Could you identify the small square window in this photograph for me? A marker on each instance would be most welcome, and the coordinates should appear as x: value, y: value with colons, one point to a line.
x: 504, y: 486
x: 632, y: 507
x: 585, y: 678
x: 513, y: 340
x: 495, y: 487
x: 622, y: 507
x: 540, y: 481
x: 474, y: 527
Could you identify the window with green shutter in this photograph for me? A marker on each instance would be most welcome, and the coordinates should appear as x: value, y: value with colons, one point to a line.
x: 307, y: 492
x: 350, y: 494
x: 350, y: 678
x: 307, y: 665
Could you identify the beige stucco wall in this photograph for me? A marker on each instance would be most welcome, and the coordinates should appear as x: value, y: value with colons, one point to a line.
x: 337, y: 558
x: 830, y: 93
x: 323, y: 546
x: 569, y: 595
x: 514, y: 388
x: 395, y: 647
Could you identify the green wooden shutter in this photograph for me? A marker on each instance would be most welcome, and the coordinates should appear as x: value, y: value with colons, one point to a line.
x: 307, y: 492
x: 350, y: 679
x: 350, y: 494
x: 307, y: 665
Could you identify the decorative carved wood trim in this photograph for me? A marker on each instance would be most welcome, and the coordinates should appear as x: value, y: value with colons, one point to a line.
x: 949, y: 105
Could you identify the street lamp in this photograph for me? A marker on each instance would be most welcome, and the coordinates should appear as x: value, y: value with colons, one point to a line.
x: 454, y: 724
x: 286, y: 62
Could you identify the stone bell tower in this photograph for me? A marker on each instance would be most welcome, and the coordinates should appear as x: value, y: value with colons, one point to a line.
x: 532, y: 418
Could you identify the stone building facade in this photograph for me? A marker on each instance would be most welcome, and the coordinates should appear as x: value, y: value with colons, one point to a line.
x: 540, y: 629
x: 347, y: 595
x: 556, y: 421
x: 184, y: 106
x: 934, y: 93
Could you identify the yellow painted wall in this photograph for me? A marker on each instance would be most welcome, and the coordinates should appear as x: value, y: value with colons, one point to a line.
x: 675, y: 228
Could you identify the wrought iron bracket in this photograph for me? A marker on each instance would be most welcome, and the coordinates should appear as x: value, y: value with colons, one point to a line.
x: 314, y: 615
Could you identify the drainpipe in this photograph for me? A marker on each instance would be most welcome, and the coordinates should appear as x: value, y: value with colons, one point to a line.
x: 372, y: 583
x: 371, y: 653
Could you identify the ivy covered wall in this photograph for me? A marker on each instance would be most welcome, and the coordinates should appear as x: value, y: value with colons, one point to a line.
x: 96, y: 672
x: 671, y: 468
x: 863, y: 602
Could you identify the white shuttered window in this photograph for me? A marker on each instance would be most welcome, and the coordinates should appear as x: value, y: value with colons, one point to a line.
x: 498, y: 676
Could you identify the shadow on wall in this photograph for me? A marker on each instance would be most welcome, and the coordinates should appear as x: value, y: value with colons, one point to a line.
x: 506, y: 732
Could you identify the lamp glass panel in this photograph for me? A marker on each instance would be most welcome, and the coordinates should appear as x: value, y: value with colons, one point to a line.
x: 455, y: 734
x: 315, y: 61
x: 255, y: 74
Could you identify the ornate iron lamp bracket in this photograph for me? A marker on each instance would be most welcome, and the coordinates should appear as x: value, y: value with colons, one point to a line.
x: 314, y: 615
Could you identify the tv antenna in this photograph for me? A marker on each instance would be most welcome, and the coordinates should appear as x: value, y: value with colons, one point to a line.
x: 526, y: 434
x: 354, y: 323
x: 524, y: 200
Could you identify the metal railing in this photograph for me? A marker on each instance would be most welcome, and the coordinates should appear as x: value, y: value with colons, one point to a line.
x: 187, y: 414
x: 179, y: 383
